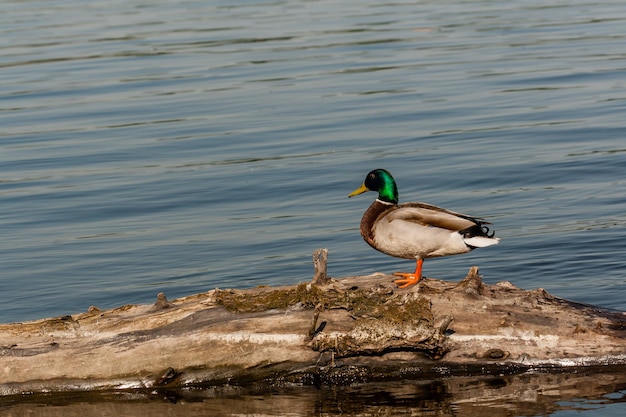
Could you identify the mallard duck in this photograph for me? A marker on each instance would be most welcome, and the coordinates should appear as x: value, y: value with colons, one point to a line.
x: 416, y: 230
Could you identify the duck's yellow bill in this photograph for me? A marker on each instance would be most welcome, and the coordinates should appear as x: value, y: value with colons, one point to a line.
x: 358, y: 191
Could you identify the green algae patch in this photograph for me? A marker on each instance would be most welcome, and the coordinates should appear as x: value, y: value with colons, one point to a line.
x: 261, y: 299
x: 372, y: 303
x: 388, y: 307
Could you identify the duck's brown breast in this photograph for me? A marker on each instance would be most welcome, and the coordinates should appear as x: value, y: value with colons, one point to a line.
x: 370, y: 216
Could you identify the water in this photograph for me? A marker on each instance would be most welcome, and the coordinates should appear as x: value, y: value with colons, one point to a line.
x: 181, y: 146
x: 524, y: 395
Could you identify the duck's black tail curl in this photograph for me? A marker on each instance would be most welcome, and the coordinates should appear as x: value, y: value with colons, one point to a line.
x: 485, y: 230
x: 479, y: 229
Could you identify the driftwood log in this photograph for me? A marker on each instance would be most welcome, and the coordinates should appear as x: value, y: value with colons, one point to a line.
x: 329, y: 331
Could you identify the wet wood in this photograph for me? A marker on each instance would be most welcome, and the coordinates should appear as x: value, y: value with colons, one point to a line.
x: 336, y: 332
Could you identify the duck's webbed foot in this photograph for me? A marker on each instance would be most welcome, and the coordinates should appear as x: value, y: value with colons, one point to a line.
x: 409, y: 278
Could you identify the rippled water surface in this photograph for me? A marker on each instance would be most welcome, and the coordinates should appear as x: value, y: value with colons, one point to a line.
x: 179, y: 146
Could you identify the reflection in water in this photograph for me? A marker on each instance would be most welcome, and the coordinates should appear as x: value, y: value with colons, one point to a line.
x: 528, y: 395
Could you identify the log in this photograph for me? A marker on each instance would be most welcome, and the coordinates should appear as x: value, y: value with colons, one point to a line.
x: 336, y: 331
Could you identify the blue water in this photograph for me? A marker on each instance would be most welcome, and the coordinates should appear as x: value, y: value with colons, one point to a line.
x: 179, y: 146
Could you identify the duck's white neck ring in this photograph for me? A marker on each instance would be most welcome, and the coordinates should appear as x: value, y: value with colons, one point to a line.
x: 384, y: 202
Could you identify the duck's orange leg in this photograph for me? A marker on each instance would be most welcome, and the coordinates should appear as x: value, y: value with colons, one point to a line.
x: 409, y: 278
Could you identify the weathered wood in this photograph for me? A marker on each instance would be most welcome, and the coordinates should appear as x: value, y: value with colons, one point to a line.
x: 355, y: 328
x: 320, y: 260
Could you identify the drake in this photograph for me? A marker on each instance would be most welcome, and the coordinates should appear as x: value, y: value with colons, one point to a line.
x: 416, y: 230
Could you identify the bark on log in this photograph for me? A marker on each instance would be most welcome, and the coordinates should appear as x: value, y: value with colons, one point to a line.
x: 346, y: 330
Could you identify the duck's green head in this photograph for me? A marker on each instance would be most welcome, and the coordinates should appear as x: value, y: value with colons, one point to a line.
x: 379, y: 180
